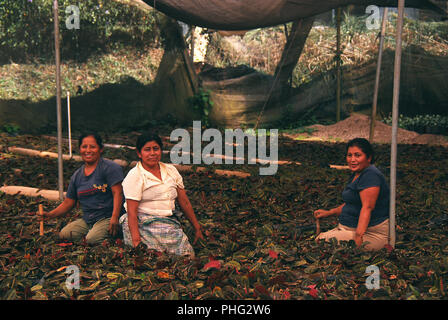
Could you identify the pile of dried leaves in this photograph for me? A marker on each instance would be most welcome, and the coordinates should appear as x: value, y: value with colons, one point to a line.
x: 259, y: 238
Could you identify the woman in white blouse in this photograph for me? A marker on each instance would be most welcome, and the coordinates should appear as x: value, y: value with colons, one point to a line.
x: 150, y: 189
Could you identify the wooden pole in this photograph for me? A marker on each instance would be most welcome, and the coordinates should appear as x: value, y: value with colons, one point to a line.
x: 378, y: 74
x: 338, y: 66
x: 396, y: 96
x: 192, y: 28
x: 58, y: 99
x: 41, y: 223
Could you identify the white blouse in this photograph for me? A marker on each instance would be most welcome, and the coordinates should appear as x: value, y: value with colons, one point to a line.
x: 156, y: 196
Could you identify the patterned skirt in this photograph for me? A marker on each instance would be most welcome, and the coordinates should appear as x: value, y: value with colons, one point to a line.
x: 163, y: 234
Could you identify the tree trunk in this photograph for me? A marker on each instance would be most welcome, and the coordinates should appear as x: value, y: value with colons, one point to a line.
x: 292, y: 51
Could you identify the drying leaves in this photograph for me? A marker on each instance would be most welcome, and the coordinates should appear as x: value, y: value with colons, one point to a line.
x: 259, y: 238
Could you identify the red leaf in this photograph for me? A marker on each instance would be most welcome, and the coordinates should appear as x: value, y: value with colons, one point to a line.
x: 65, y: 244
x: 273, y: 254
x: 389, y: 248
x: 213, y: 264
x: 313, y: 291
x: 262, y: 292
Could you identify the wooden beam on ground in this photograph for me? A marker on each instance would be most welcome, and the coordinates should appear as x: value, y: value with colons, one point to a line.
x: 31, y: 192
x: 121, y: 162
x: 124, y: 163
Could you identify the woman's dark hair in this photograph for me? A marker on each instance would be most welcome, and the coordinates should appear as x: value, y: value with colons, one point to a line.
x: 97, y: 137
x: 147, y: 137
x: 364, y: 145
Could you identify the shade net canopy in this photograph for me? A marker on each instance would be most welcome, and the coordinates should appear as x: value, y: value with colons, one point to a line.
x: 252, y: 14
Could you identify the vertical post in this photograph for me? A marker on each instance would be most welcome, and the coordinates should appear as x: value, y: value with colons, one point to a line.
x: 192, y: 28
x: 41, y: 222
x: 396, y: 96
x: 58, y: 99
x: 338, y: 66
x: 378, y: 74
x: 69, y: 125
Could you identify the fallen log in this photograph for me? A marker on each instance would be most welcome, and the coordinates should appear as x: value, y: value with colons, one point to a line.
x: 123, y: 163
x: 31, y: 192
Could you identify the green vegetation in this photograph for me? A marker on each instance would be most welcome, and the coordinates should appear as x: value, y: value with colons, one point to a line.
x: 202, y: 104
x: 429, y: 123
x: 115, y: 42
x: 26, y: 29
x: 10, y: 128
x: 35, y: 82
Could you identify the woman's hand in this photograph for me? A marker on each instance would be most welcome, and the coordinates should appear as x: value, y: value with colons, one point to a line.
x: 44, y: 216
x: 62, y: 209
x: 198, y: 235
x: 319, y: 214
x: 358, y: 240
x: 113, y: 226
x: 135, y: 242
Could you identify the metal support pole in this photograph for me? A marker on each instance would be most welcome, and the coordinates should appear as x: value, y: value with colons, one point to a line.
x: 58, y: 99
x: 69, y: 125
x: 396, y: 96
x: 338, y: 66
x: 378, y: 74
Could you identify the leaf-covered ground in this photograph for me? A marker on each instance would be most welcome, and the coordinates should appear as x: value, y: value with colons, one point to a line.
x: 259, y: 235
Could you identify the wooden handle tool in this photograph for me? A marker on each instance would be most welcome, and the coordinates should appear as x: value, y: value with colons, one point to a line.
x: 41, y: 227
x: 317, y: 227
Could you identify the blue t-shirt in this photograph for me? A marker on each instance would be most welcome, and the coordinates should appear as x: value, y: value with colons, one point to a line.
x: 369, y: 177
x: 94, y: 191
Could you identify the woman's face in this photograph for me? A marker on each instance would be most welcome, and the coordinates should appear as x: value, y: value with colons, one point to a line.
x: 150, y: 154
x: 90, y: 150
x: 357, y: 160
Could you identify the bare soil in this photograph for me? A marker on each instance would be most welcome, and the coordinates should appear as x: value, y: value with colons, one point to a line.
x: 358, y: 125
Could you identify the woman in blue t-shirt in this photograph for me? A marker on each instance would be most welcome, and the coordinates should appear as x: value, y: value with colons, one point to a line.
x: 97, y: 187
x: 364, y: 215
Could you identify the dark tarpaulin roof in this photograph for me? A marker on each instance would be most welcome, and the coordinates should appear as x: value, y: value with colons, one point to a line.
x: 252, y: 14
